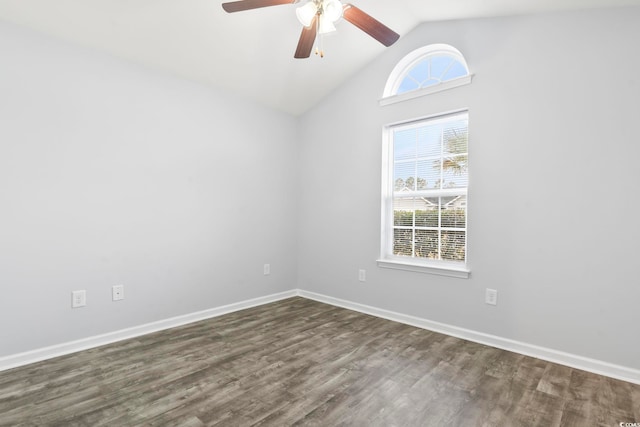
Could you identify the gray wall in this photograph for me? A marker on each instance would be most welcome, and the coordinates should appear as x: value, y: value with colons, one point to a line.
x: 114, y: 174
x: 553, y: 196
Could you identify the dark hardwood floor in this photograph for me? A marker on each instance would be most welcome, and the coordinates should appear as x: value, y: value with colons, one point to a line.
x: 300, y: 362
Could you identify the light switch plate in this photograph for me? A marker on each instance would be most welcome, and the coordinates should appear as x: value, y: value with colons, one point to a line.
x: 491, y: 296
x: 78, y: 298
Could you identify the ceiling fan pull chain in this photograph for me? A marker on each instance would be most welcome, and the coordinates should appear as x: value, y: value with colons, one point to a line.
x: 319, y: 37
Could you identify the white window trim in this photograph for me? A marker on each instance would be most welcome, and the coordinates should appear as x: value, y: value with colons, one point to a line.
x: 390, y: 95
x: 443, y: 269
x: 438, y: 267
x: 449, y: 84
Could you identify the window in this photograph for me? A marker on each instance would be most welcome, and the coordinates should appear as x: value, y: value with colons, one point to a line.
x: 424, y: 203
x: 426, y: 70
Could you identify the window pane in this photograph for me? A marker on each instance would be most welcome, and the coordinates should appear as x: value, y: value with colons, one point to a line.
x: 439, y: 65
x: 429, y: 173
x: 420, y: 71
x: 453, y: 212
x: 455, y: 173
x: 403, y: 212
x: 402, y: 242
x: 453, y: 243
x: 427, y: 217
x: 404, y: 144
x: 455, y: 139
x: 429, y: 141
x: 427, y: 244
x: 404, y: 176
x: 456, y: 70
x: 407, y: 85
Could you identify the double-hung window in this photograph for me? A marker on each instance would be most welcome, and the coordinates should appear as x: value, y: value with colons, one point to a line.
x: 424, y: 195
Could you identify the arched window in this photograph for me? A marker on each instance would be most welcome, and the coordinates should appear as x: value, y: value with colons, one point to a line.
x: 425, y: 175
x: 426, y: 70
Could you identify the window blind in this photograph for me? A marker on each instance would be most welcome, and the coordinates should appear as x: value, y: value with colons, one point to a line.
x: 429, y: 189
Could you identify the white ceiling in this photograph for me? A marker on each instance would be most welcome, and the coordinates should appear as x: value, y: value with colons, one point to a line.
x: 249, y: 53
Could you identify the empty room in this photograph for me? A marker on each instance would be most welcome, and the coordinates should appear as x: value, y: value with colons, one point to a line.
x: 317, y: 212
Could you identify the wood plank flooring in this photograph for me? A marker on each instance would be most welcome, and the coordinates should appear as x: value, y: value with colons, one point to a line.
x: 301, y: 362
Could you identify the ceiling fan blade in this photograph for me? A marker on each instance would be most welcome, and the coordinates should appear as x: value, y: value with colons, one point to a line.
x: 238, y: 6
x: 307, y: 38
x: 370, y: 25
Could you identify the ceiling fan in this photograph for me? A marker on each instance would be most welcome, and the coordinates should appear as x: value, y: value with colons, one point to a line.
x: 318, y: 17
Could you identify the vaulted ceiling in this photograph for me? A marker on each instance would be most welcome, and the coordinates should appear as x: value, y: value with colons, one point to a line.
x: 249, y: 53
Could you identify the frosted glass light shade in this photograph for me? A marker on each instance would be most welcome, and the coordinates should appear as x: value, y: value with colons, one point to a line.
x: 326, y: 26
x: 306, y: 12
x: 332, y: 10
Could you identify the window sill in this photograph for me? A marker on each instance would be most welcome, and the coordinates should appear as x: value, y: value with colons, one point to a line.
x: 393, y: 99
x: 441, y: 270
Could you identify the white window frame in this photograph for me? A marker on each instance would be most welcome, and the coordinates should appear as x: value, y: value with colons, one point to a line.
x: 406, y: 64
x: 387, y: 259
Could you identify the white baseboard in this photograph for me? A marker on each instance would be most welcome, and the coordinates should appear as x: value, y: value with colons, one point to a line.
x: 21, y: 359
x: 574, y: 361
x: 555, y: 356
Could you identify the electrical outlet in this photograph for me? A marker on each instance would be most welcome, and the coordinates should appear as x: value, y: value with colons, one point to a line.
x: 491, y: 296
x: 362, y: 275
x: 78, y: 299
x: 267, y: 269
x: 117, y: 292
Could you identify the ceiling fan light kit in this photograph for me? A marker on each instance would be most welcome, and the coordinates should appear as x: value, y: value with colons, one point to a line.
x: 306, y: 13
x: 328, y: 12
x: 332, y: 10
x: 319, y: 17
